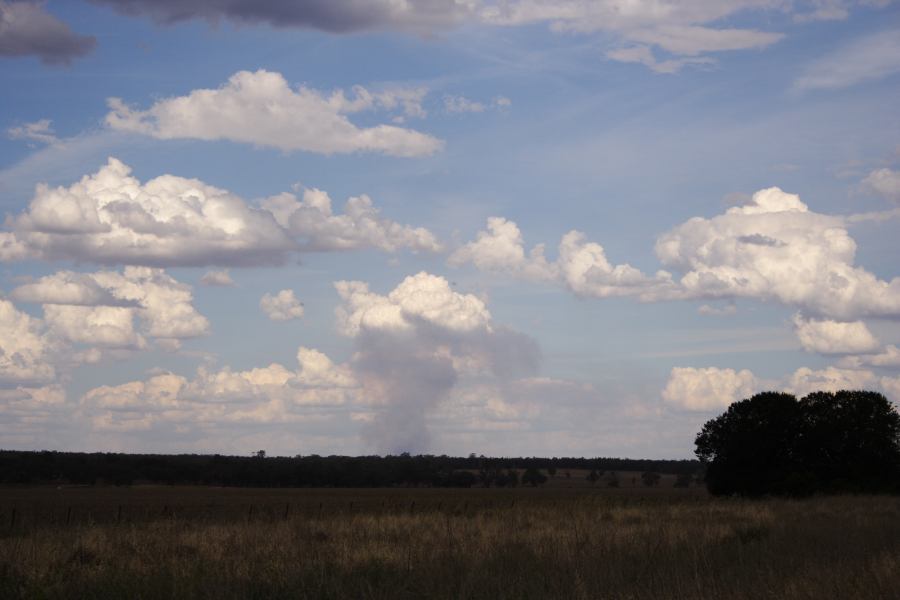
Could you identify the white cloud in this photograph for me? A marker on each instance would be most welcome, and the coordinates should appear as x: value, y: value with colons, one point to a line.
x: 831, y: 379
x: 110, y: 217
x: 865, y: 59
x: 587, y: 272
x: 461, y: 104
x: 888, y: 357
x: 260, y: 108
x: 99, y: 308
x: 714, y: 389
x: 273, y: 394
x: 108, y: 326
x: 891, y: 387
x: 220, y: 278
x: 312, y: 221
x: 581, y: 266
x: 834, y: 337
x: 884, y: 182
x: 422, y: 297
x: 24, y: 348
x: 283, y: 306
x: 709, y: 388
x: 775, y: 248
x: 501, y: 249
x: 39, y: 131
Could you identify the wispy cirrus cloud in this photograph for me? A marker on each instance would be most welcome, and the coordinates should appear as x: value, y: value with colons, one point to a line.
x: 868, y: 58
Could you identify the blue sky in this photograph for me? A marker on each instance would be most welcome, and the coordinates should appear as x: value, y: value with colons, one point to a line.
x: 715, y: 186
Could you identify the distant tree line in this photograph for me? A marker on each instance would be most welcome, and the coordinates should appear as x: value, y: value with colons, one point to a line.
x: 17, y: 467
x: 774, y: 444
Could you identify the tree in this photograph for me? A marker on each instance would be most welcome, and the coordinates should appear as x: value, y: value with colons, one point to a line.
x: 593, y: 476
x: 773, y: 444
x: 850, y: 441
x: 533, y: 477
x: 749, y: 449
x: 650, y: 478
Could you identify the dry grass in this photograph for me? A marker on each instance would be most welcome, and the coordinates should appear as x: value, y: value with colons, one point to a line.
x: 454, y: 544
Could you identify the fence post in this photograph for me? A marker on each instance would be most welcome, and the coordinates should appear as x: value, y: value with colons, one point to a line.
x: 12, y: 519
x: 287, y: 510
x: 68, y: 516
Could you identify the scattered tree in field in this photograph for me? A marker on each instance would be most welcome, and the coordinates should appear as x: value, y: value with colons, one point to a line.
x: 613, y: 480
x: 512, y: 478
x: 650, y: 478
x: 533, y: 477
x: 593, y: 476
x: 551, y: 471
x: 828, y: 442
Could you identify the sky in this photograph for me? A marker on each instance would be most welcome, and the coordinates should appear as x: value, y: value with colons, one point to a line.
x: 507, y: 227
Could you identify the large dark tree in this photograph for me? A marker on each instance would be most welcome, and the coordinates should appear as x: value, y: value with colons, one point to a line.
x: 850, y: 441
x: 749, y: 450
x: 773, y: 444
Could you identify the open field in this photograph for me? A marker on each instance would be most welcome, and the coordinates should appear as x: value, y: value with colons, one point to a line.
x: 555, y: 542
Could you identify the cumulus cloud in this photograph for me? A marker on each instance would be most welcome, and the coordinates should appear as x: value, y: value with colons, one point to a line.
x: 311, y: 221
x: 709, y: 388
x: 834, y: 337
x: 220, y: 278
x: 888, y: 358
x: 39, y: 131
x: 412, y: 347
x: 27, y: 29
x: 501, y: 249
x: 831, y: 379
x: 217, y: 397
x: 25, y: 348
x: 884, y: 182
x: 775, y: 248
x: 891, y: 388
x: 110, y: 217
x: 772, y: 248
x: 283, y: 306
x: 260, y: 108
x: 868, y: 58
x: 581, y: 266
x: 99, y: 308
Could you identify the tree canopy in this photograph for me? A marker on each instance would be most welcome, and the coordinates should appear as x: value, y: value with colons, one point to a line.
x: 827, y: 442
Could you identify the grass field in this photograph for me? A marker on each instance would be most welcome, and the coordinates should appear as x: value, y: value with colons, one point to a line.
x: 553, y: 542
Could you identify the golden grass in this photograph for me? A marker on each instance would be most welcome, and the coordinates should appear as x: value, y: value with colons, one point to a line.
x: 462, y: 544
